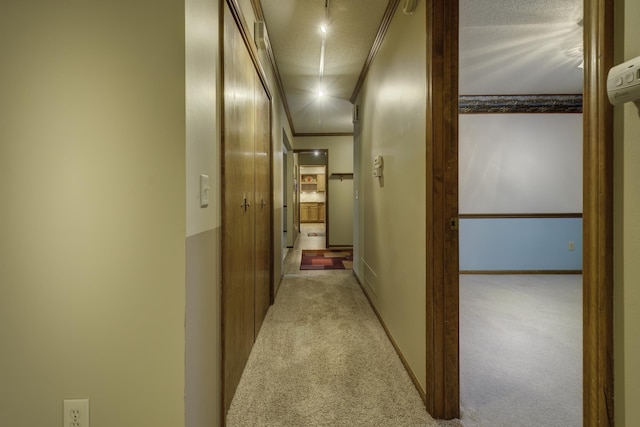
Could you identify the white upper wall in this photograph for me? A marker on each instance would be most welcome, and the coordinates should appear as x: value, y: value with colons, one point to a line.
x: 520, y: 163
x: 202, y: 113
x: 202, y: 321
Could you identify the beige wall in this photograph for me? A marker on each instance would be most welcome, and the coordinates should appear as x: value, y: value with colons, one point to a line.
x: 340, y: 192
x: 627, y: 230
x: 390, y: 243
x: 92, y: 190
x: 202, y: 325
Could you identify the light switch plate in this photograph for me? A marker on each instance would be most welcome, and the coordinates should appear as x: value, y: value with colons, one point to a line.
x: 204, y: 191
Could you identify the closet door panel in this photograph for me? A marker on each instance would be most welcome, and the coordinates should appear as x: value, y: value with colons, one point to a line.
x: 238, y: 293
x: 263, y: 204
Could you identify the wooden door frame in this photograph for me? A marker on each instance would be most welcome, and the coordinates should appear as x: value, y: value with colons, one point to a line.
x: 597, y: 220
x: 442, y: 390
x: 442, y: 305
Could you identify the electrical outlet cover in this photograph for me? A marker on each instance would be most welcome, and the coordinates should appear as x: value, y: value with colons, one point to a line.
x: 76, y: 413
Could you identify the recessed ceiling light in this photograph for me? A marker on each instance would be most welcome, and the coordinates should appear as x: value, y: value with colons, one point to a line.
x: 323, y: 28
x: 320, y: 93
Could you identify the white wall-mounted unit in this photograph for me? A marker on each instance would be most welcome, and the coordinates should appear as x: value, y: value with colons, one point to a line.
x: 260, y: 34
x: 623, y: 82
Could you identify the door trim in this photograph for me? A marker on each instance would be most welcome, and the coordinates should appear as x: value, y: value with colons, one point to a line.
x: 597, y: 216
x: 442, y: 303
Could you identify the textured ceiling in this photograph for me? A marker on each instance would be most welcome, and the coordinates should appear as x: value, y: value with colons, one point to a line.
x: 506, y: 47
x: 520, y: 47
x: 294, y: 31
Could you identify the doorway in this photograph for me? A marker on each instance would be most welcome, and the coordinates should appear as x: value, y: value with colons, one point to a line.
x: 313, y: 195
x: 520, y: 206
x: 285, y: 186
x: 442, y: 303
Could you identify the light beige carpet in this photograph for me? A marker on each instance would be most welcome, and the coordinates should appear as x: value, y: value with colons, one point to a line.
x: 521, y: 350
x: 323, y: 359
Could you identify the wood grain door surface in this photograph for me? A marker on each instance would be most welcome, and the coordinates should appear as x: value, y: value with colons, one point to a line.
x: 263, y: 205
x: 238, y: 258
x: 247, y: 206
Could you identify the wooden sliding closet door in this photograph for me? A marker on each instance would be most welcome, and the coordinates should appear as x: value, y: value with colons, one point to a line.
x: 263, y: 205
x: 238, y: 239
x: 246, y: 197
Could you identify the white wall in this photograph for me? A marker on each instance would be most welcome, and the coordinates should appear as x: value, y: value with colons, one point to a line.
x: 202, y: 382
x: 520, y: 163
x: 92, y: 190
x: 340, y: 192
x: 627, y: 230
x: 391, y: 230
x: 202, y: 112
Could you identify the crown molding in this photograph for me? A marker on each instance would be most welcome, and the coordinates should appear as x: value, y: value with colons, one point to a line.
x: 528, y: 104
x: 382, y: 31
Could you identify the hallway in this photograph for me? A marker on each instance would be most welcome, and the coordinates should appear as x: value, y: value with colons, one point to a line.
x: 322, y: 357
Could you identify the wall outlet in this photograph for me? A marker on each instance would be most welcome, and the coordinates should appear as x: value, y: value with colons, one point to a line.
x: 76, y: 413
x: 571, y: 246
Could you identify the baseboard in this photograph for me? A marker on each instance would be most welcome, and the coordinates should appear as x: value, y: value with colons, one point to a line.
x: 407, y: 368
x: 520, y: 271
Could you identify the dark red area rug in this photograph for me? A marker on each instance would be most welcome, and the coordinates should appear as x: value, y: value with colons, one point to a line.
x: 327, y: 259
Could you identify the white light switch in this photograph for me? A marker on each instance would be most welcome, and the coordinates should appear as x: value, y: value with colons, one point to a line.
x: 204, y: 191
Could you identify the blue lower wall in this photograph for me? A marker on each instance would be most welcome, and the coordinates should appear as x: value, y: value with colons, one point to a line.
x: 520, y: 243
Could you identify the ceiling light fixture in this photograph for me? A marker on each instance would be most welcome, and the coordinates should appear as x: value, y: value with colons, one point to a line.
x: 322, y: 51
x: 323, y: 47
